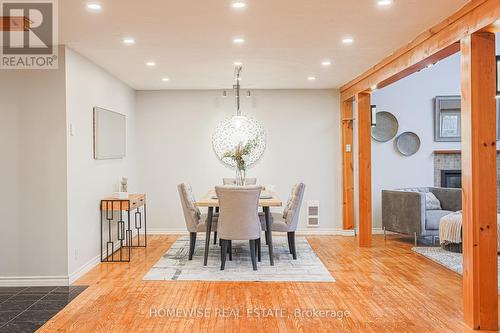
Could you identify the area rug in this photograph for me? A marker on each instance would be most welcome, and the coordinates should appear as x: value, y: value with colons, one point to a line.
x: 450, y: 260
x: 174, y: 265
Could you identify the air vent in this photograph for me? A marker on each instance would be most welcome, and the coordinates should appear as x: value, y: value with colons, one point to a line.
x: 313, y: 213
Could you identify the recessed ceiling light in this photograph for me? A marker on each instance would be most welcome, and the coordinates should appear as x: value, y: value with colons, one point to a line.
x: 385, y: 3
x: 374, y: 87
x: 94, y: 6
x: 311, y: 78
x: 348, y: 40
x: 238, y: 40
x: 326, y: 63
x: 128, y: 41
x: 238, y: 63
x: 430, y: 65
x: 497, y: 23
x: 239, y: 4
x: 165, y: 79
x: 151, y: 64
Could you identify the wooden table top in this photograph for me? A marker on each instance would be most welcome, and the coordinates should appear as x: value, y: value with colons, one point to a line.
x: 133, y: 201
x: 208, y: 201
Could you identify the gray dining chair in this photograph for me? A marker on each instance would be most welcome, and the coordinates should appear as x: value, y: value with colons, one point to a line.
x: 289, y: 219
x: 239, y: 219
x: 232, y: 181
x: 195, y: 220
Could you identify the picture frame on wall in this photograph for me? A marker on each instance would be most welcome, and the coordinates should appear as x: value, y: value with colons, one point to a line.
x: 447, y: 121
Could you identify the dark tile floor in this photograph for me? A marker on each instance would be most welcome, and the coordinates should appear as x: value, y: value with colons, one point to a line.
x: 25, y: 309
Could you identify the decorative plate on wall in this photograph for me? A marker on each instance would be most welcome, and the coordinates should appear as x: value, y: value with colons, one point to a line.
x: 408, y: 143
x: 386, y: 128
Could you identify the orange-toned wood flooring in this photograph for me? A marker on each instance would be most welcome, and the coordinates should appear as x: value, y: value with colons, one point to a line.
x: 386, y: 288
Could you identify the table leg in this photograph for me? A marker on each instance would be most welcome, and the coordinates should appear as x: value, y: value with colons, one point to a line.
x: 207, y: 236
x: 269, y: 235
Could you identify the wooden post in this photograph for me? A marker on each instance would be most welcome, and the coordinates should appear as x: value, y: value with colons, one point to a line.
x: 479, y: 181
x: 364, y: 170
x: 347, y: 165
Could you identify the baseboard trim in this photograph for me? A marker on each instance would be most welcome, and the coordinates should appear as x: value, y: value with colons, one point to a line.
x: 33, y: 281
x: 84, y: 269
x: 304, y: 231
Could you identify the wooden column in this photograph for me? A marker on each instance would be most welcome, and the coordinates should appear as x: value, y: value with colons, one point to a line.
x: 347, y: 166
x: 364, y: 170
x: 479, y: 181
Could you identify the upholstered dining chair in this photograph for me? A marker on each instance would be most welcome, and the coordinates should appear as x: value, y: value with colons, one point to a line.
x: 232, y: 181
x: 195, y: 220
x: 289, y: 219
x: 239, y: 219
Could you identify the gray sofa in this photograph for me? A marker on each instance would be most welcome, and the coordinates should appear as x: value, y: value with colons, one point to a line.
x: 404, y: 210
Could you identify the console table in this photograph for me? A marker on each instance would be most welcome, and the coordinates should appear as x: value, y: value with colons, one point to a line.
x: 114, y: 210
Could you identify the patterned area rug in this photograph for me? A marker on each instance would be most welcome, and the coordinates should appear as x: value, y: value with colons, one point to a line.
x: 174, y: 265
x: 445, y: 258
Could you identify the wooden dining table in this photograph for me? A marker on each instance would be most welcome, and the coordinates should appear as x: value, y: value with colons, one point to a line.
x: 268, y: 199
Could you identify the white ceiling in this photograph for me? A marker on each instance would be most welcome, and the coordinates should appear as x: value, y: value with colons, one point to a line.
x: 286, y: 40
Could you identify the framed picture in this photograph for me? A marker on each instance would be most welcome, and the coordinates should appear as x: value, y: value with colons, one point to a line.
x: 447, y: 121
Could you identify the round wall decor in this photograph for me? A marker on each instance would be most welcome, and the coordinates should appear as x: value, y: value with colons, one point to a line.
x: 386, y: 128
x: 408, y: 143
x: 239, y: 130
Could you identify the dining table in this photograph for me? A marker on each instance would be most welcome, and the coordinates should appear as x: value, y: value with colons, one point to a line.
x: 267, y: 200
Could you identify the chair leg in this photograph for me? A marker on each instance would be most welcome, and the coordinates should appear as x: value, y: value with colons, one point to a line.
x: 230, y: 250
x: 415, y: 239
x: 259, y: 251
x: 215, y: 237
x: 291, y: 240
x: 289, y: 236
x: 252, y: 254
x: 385, y: 235
x: 267, y: 237
x: 223, y: 252
x: 192, y: 244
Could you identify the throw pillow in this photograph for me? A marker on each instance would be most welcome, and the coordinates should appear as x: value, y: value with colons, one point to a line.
x: 431, y: 202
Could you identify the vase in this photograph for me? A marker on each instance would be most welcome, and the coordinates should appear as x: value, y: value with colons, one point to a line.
x: 240, y: 177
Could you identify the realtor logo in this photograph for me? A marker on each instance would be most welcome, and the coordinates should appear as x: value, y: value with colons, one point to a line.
x: 28, y: 34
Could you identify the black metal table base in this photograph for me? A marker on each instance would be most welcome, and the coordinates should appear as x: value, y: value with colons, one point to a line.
x: 124, y: 233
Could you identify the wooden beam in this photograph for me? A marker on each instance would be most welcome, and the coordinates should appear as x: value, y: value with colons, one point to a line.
x: 14, y: 23
x: 347, y: 165
x: 479, y: 204
x: 364, y: 170
x: 433, y: 45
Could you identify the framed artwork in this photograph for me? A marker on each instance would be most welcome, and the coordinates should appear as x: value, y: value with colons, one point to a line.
x: 447, y: 122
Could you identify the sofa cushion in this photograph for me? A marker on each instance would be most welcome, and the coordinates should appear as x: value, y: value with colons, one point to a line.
x: 432, y: 218
x: 432, y: 202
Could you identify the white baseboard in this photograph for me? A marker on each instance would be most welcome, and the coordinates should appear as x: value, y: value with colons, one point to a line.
x: 33, y: 281
x: 302, y: 231
x: 84, y: 269
x: 167, y: 231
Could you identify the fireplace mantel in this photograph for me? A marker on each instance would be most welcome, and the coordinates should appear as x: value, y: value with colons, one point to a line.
x: 451, y: 151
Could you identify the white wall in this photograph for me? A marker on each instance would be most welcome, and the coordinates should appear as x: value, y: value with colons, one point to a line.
x: 411, y: 100
x: 174, y: 130
x: 90, y: 180
x: 33, y: 240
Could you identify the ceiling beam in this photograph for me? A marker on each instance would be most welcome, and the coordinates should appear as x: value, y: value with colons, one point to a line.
x: 431, y: 46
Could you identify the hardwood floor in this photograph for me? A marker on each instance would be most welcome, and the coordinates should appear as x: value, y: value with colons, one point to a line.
x: 385, y: 288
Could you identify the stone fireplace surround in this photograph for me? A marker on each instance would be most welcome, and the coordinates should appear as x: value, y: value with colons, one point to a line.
x: 451, y: 160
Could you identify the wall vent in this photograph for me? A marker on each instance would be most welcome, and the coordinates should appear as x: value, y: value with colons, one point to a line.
x: 313, y: 213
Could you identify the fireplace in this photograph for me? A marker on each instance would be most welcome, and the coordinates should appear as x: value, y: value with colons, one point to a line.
x: 451, y: 178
